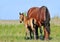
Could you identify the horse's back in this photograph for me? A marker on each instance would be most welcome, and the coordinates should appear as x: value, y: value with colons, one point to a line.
x: 40, y: 14
x: 32, y: 12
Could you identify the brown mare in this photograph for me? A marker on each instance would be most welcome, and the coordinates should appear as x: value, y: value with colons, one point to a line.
x: 42, y: 17
x: 29, y: 24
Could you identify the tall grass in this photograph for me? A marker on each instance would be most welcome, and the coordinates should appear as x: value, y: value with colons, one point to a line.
x: 16, y: 33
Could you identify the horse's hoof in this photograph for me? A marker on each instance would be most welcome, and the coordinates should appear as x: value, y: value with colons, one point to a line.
x: 50, y: 38
x: 41, y: 37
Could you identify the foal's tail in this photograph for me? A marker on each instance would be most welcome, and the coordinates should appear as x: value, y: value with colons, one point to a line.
x: 34, y: 22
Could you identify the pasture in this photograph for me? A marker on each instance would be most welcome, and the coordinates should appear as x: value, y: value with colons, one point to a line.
x: 13, y: 31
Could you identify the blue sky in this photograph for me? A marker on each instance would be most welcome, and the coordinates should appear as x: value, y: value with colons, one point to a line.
x: 9, y: 9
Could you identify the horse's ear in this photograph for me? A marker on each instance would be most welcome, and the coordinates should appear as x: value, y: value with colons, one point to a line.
x: 19, y: 13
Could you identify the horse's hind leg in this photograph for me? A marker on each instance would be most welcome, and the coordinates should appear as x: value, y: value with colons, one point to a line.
x: 41, y: 30
x: 45, y: 34
x: 41, y: 36
x: 46, y: 31
x: 36, y: 32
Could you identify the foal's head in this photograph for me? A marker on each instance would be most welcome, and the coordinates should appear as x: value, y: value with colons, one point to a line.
x: 21, y: 17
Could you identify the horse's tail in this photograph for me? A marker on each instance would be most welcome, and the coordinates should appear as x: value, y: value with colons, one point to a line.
x: 47, y: 14
x: 47, y: 20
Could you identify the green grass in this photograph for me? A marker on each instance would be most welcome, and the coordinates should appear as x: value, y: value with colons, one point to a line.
x: 16, y: 33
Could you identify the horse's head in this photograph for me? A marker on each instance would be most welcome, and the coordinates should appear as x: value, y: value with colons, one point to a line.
x: 21, y: 17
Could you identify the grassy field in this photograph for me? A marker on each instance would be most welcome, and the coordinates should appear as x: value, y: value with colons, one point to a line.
x: 13, y: 31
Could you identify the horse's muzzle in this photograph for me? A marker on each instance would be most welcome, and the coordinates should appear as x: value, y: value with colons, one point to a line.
x: 20, y: 21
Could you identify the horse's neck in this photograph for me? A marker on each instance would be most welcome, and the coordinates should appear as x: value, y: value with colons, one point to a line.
x: 25, y: 18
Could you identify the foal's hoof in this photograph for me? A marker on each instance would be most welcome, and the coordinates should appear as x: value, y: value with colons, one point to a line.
x: 36, y: 38
x: 27, y: 38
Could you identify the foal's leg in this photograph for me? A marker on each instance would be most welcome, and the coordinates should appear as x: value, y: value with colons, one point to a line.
x: 31, y: 34
x: 34, y: 28
x: 33, y: 31
x: 27, y: 32
x: 36, y: 31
